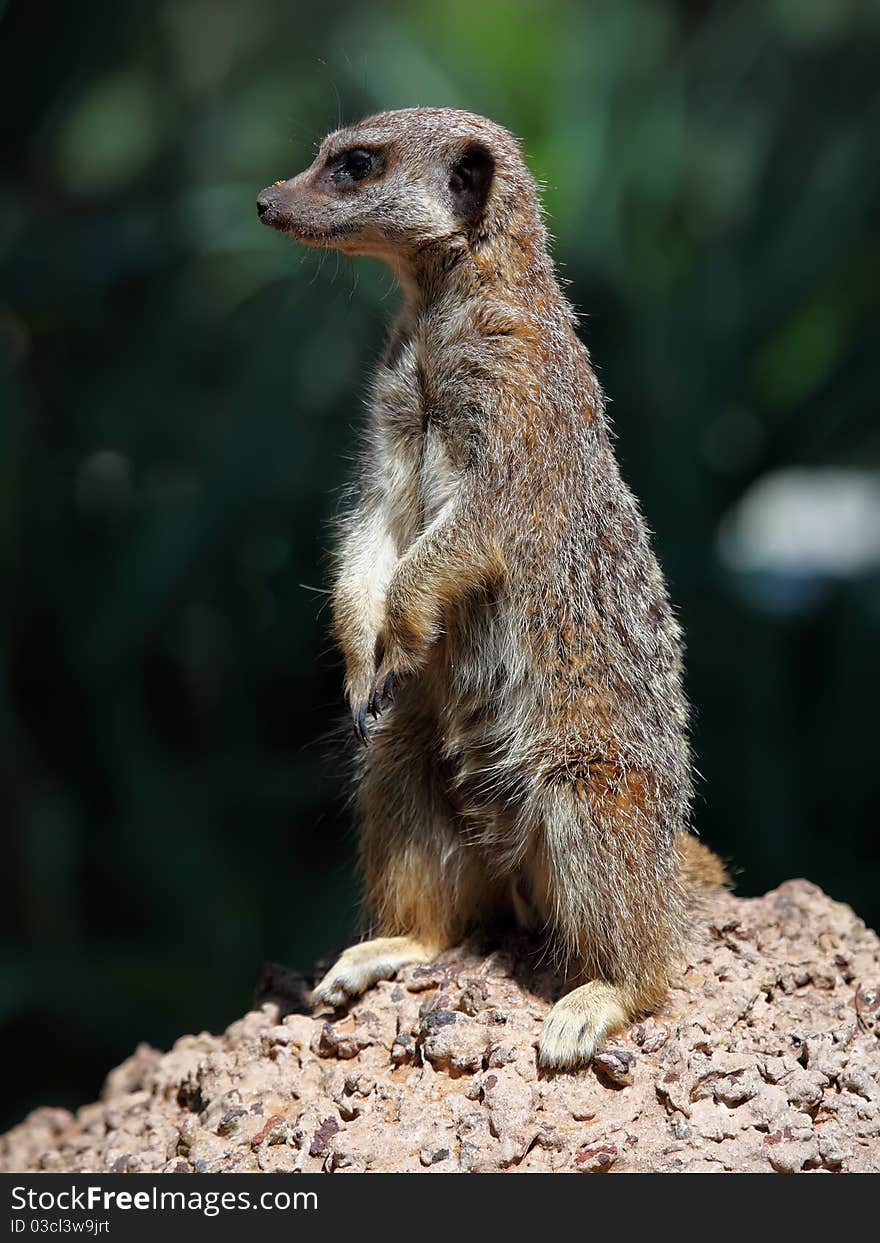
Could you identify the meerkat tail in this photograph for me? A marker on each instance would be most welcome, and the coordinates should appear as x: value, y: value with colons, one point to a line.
x: 701, y: 868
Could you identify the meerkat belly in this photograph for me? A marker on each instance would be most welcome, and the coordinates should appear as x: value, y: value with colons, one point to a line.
x: 438, y: 480
x: 408, y: 450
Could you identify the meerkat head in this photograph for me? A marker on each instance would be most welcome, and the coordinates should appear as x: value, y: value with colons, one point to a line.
x: 400, y: 181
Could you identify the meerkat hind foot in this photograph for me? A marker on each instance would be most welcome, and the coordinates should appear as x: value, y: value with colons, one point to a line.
x: 577, y: 1023
x: 367, y: 963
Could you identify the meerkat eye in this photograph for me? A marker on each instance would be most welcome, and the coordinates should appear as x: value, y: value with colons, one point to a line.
x: 353, y: 166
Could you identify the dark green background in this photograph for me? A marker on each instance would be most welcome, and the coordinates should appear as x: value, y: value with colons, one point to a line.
x: 180, y: 388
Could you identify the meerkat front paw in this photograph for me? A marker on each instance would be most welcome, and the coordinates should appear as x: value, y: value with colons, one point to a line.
x: 393, y: 670
x: 377, y: 697
x: 382, y: 690
x: 577, y: 1023
x: 366, y: 964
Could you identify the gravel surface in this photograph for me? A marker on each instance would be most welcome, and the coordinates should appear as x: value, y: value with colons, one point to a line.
x: 765, y: 1058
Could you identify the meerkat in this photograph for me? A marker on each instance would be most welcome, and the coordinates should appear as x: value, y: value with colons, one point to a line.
x: 512, y: 661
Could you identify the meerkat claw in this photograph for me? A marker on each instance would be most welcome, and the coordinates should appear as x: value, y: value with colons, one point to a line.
x: 332, y: 997
x: 359, y: 720
x: 382, y: 693
x: 332, y: 991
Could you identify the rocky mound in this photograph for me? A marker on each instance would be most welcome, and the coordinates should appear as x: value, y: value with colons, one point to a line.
x: 766, y: 1057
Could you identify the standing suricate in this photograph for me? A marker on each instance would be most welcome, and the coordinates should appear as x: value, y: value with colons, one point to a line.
x: 502, y: 616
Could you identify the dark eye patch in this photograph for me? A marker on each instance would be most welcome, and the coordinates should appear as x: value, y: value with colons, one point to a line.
x: 353, y: 166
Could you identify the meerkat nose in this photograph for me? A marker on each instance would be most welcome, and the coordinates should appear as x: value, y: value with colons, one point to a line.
x: 267, y: 199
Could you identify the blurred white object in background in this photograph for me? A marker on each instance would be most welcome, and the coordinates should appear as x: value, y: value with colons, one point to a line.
x: 794, y: 531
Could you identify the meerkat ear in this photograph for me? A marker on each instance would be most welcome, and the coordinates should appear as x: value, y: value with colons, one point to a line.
x: 470, y: 181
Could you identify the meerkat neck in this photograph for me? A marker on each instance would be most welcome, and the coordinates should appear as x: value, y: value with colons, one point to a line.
x: 435, y: 274
x: 516, y: 268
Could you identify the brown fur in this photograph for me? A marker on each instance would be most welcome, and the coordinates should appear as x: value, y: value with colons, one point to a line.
x: 495, y: 577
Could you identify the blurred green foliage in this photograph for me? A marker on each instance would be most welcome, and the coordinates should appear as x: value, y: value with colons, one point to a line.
x: 179, y: 393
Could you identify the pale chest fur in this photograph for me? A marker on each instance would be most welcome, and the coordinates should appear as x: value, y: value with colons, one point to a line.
x: 417, y: 471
